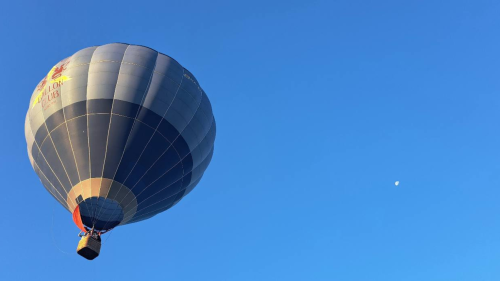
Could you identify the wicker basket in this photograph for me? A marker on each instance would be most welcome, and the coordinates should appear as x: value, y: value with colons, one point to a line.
x: 89, y: 247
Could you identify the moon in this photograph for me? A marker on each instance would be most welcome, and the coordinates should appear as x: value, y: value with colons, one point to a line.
x: 396, y: 183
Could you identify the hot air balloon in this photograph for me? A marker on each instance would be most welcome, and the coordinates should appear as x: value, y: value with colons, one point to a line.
x: 117, y: 134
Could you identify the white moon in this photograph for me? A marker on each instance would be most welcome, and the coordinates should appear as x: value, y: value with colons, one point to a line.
x: 396, y: 183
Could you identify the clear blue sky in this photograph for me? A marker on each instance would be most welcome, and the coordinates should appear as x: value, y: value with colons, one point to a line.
x: 320, y: 106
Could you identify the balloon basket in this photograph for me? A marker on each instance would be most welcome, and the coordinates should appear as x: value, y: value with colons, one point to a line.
x: 89, y: 247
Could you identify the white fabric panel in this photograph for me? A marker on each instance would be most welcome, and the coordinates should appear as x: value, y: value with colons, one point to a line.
x: 135, y: 74
x: 103, y: 71
x: 75, y: 89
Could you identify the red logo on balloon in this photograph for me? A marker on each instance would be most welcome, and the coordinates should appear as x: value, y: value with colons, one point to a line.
x: 59, y: 70
x: 42, y: 84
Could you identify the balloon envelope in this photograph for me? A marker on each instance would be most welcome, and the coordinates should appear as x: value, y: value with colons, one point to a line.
x: 119, y: 133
